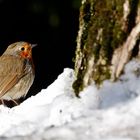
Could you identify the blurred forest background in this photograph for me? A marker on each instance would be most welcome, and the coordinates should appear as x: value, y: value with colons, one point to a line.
x: 52, y: 24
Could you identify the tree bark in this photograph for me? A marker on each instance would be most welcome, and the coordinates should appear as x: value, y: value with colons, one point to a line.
x: 108, y: 37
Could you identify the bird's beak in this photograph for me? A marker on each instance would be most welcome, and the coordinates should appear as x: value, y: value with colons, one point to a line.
x: 33, y: 45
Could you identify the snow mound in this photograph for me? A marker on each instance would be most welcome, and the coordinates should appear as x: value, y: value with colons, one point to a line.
x: 109, y: 113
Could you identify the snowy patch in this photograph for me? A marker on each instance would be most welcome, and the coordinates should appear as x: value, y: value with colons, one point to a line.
x: 109, y: 113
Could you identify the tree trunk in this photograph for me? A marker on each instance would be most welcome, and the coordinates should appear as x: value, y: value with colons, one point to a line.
x: 108, y: 37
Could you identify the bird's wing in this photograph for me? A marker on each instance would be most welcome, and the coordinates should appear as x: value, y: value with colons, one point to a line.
x: 10, y: 73
x: 8, y: 83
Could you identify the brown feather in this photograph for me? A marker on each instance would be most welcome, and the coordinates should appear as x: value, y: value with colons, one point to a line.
x: 9, y: 74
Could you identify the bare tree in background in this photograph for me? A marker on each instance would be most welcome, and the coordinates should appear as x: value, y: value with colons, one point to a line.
x: 108, y: 37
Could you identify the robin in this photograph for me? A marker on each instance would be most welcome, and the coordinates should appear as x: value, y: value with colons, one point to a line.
x: 16, y: 71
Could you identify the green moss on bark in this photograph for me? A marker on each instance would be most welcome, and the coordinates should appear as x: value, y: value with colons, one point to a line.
x: 103, y: 30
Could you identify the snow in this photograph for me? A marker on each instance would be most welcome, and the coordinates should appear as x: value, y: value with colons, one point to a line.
x: 109, y: 113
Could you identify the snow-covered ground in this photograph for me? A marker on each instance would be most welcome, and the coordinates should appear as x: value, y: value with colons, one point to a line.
x: 109, y: 113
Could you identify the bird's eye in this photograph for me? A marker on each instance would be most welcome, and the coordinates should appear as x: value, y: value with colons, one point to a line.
x: 22, y: 48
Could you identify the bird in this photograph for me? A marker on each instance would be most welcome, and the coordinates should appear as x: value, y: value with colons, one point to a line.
x: 17, y: 71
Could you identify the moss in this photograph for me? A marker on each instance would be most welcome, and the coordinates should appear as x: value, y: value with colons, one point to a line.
x: 85, y: 15
x: 102, y: 73
x: 102, y: 33
x: 78, y: 84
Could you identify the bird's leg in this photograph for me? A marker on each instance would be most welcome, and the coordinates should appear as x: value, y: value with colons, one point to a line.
x: 2, y: 101
x: 16, y: 103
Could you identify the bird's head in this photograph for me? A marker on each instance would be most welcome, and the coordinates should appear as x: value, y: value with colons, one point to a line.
x: 21, y: 49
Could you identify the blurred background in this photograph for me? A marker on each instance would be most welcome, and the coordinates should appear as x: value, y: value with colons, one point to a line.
x: 52, y: 24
